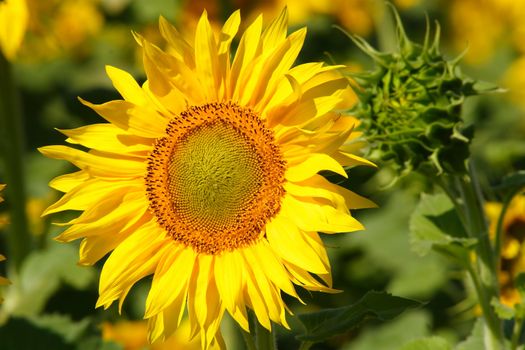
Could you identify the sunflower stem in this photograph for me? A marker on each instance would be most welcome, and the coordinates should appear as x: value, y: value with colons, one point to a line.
x: 484, y: 271
x: 11, y: 141
x: 248, y: 340
x: 264, y: 338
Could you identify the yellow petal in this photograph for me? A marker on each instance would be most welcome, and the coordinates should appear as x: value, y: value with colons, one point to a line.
x: 97, y: 164
x: 312, y: 216
x: 181, y: 48
x: 126, y: 86
x: 89, y: 194
x: 249, y: 48
x: 287, y: 241
x: 206, y: 60
x: 136, y: 257
x: 275, y: 33
x: 314, y: 163
x: 107, y: 137
x: 67, y: 182
x: 137, y: 120
x: 170, y: 279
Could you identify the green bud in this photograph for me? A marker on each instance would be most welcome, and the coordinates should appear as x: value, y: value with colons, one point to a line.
x: 410, y: 105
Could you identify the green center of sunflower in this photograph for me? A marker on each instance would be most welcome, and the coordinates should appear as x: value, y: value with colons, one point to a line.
x: 216, y: 178
x: 213, y: 172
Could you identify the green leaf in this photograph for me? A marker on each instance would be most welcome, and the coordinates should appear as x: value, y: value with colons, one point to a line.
x: 476, y: 339
x: 432, y: 343
x: 512, y: 182
x: 57, y: 332
x: 435, y: 224
x: 374, y: 305
x: 411, y: 325
x: 504, y: 312
x: 41, y: 275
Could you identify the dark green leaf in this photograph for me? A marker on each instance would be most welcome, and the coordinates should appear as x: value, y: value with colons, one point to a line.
x: 512, y: 182
x: 374, y: 305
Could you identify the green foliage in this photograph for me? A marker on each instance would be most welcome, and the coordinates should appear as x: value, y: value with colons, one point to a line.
x: 411, y: 325
x: 435, y: 224
x: 56, y: 332
x: 410, y: 105
x: 374, y: 305
x: 431, y: 343
x: 42, y: 274
x: 476, y: 340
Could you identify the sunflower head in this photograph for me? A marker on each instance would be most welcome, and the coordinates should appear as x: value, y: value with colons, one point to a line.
x: 207, y: 177
x: 410, y: 105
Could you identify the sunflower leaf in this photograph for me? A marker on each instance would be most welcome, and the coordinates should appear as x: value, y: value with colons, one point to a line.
x: 435, y: 224
x: 430, y: 343
x: 324, y: 324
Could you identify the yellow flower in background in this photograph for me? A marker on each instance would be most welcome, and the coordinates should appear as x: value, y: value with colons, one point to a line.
x: 512, y: 261
x: 483, y: 25
x: 207, y: 177
x: 58, y: 27
x: 13, y: 22
x: 514, y: 81
x: 133, y: 335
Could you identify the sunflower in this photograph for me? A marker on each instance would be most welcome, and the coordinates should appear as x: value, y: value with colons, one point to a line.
x: 207, y: 176
x: 512, y: 260
x: 13, y: 22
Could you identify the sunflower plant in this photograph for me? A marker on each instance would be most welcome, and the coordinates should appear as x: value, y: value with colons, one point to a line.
x: 211, y: 186
x: 206, y: 177
x: 411, y: 108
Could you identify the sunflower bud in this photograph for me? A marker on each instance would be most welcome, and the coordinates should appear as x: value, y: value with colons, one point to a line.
x: 410, y: 105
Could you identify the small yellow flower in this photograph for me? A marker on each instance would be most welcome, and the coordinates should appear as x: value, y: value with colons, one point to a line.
x: 512, y: 260
x: 133, y: 335
x: 207, y: 177
x: 13, y: 22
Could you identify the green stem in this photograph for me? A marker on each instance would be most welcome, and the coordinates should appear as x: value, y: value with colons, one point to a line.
x: 518, y: 328
x: 306, y: 345
x: 248, y: 340
x: 485, y: 273
x: 264, y: 339
x: 11, y: 141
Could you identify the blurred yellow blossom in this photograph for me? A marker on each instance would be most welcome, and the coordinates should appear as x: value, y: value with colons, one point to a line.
x: 483, y: 25
x: 13, y: 23
x: 512, y: 261
x: 514, y: 81
x: 56, y: 27
x: 133, y: 335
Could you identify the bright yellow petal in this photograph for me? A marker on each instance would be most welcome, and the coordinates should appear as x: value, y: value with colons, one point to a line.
x: 313, y: 164
x: 286, y: 239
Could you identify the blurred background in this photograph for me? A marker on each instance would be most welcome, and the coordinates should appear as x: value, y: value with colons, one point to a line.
x: 66, y: 46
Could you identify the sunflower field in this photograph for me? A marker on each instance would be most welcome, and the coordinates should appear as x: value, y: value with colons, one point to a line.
x: 261, y: 175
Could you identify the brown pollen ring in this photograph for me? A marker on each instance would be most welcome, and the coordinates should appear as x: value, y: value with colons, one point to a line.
x: 216, y: 178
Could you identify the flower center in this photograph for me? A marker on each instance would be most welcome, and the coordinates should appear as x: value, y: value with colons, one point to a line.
x: 216, y: 178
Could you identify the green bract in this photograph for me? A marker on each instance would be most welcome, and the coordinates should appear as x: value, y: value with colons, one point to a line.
x: 410, y: 105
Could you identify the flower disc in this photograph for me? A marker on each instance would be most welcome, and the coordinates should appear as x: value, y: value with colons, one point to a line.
x: 216, y: 178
